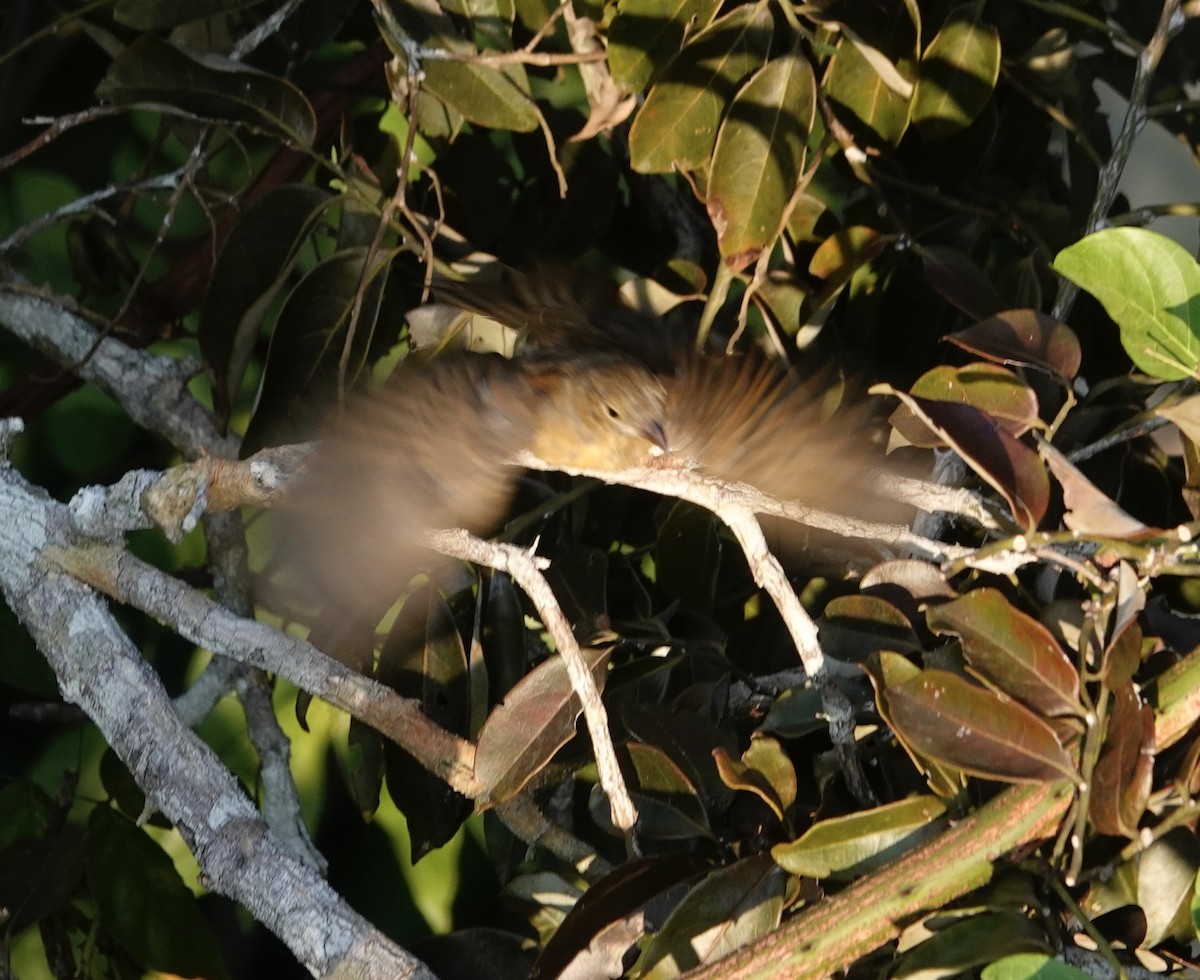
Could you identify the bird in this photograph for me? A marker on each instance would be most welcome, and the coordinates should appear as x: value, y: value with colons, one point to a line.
x: 599, y: 388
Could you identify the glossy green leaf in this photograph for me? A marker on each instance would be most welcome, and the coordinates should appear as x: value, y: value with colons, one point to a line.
x: 798, y: 711
x: 646, y: 34
x: 732, y: 906
x: 536, y: 719
x: 957, y: 947
x: 965, y: 726
x: 1011, y: 650
x: 958, y: 73
x: 852, y: 627
x: 863, y: 841
x: 870, y: 77
x: 1031, y: 966
x: 1026, y: 337
x: 737, y: 775
x: 144, y: 903
x: 152, y: 70
x: 1150, y: 286
x: 989, y: 387
x: 251, y: 268
x: 758, y: 158
x: 689, y: 738
x: 487, y: 96
x: 677, y: 124
x: 766, y: 755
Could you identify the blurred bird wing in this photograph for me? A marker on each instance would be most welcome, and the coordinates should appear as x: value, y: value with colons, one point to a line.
x: 743, y: 419
x: 426, y: 452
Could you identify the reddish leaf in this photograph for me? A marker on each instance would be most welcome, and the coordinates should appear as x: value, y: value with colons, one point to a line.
x: 732, y: 906
x: 1009, y: 466
x: 1024, y: 337
x: 959, y: 724
x: 958, y: 280
x: 618, y: 895
x: 1089, y: 510
x: 1011, y: 650
x: 1121, y: 780
x: 535, y: 721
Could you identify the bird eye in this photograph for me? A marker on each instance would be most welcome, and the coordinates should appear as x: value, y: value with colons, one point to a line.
x: 612, y: 412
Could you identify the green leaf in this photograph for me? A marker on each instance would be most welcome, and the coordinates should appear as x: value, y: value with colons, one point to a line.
x: 144, y: 903
x: 487, y: 96
x: 959, y: 724
x: 677, y: 124
x: 958, y: 947
x: 958, y: 73
x: 732, y: 906
x: 668, y: 805
x: 989, y: 387
x: 1031, y: 966
x: 151, y: 70
x: 871, y: 74
x: 252, y: 267
x: 758, y: 158
x: 1011, y: 650
x: 535, y: 721
x: 1150, y: 286
x: 646, y: 34
x: 862, y: 841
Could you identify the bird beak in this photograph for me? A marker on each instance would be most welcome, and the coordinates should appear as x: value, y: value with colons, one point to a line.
x: 657, y: 436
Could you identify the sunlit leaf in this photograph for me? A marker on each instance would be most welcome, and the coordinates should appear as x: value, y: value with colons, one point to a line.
x: 535, y: 720
x: 958, y: 946
x: 1089, y: 510
x: 861, y: 841
x: 958, y: 72
x: 952, y: 720
x: 870, y: 77
x: 732, y: 906
x: 1031, y: 966
x: 646, y: 34
x: 1011, y: 650
x: 677, y: 124
x: 1150, y: 286
x: 988, y: 387
x: 759, y: 156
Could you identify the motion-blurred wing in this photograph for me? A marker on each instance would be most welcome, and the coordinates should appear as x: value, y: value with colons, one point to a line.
x: 426, y: 452
x: 745, y: 420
